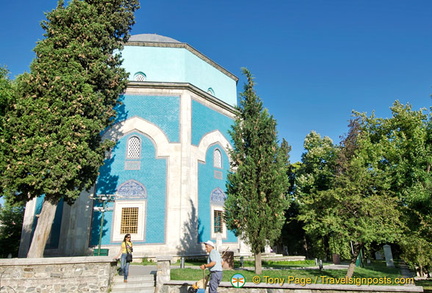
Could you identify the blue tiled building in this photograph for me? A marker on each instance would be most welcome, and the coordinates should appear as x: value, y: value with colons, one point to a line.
x: 166, y: 174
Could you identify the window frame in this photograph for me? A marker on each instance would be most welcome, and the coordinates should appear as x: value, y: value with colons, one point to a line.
x: 128, y: 147
x: 214, y: 234
x: 130, y: 228
x: 218, y: 214
x: 217, y: 163
x: 117, y: 219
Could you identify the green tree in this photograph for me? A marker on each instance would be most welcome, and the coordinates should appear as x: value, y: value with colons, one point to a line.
x: 7, y: 91
x: 358, y: 208
x: 315, y: 173
x: 317, y: 169
x: 416, y: 245
x: 407, y: 139
x: 64, y: 104
x: 11, y: 219
x: 257, y: 187
x: 6, y: 94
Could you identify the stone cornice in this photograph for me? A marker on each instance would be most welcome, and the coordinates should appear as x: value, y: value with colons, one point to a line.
x: 183, y: 86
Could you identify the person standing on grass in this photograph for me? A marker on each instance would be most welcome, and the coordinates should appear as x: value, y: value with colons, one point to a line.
x: 214, y: 264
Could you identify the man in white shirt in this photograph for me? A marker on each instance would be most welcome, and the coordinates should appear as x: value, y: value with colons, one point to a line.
x: 214, y: 264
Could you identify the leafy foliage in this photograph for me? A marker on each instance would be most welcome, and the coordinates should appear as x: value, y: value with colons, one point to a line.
x: 406, y: 138
x: 376, y: 189
x: 315, y: 173
x: 256, y: 189
x: 11, y: 218
x: 356, y: 205
x: 7, y: 92
x: 66, y: 101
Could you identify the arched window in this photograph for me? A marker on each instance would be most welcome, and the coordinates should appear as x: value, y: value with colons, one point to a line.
x: 133, y: 148
x: 129, y: 211
x: 211, y: 91
x: 217, y: 201
x: 218, y: 221
x: 140, y: 76
x: 217, y: 158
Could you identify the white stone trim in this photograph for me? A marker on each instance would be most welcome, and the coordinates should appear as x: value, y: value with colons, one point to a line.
x: 172, y: 152
x: 163, y: 147
x: 119, y: 205
x: 214, y: 235
x: 211, y: 139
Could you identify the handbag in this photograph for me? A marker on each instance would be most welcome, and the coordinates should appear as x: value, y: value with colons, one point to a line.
x: 129, y: 257
x: 129, y: 253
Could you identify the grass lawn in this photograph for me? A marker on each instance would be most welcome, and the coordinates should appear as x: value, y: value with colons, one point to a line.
x: 299, y: 271
x: 426, y: 284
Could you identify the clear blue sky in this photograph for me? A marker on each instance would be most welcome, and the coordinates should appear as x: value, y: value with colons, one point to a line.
x: 314, y: 60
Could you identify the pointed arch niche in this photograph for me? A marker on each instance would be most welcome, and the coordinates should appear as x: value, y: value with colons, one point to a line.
x: 130, y: 211
x: 217, y: 201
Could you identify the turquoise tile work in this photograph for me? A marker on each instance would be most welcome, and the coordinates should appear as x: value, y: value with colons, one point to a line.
x: 163, y: 111
x: 151, y: 174
x: 164, y: 64
x: 204, y: 120
x: 207, y: 182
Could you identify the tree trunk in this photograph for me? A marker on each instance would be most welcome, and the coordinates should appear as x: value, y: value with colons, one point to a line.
x: 354, y: 254
x: 258, y: 264
x: 351, y: 269
x: 43, y: 229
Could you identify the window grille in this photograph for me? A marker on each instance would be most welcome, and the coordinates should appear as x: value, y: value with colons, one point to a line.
x: 217, y: 159
x: 139, y: 76
x: 134, y: 148
x: 129, y: 221
x: 218, y: 225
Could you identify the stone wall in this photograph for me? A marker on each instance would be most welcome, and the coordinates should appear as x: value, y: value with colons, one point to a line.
x: 60, y: 274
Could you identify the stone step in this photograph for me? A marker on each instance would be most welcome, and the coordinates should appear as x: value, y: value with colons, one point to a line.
x: 143, y: 278
x: 135, y: 284
x: 132, y: 290
x: 131, y: 284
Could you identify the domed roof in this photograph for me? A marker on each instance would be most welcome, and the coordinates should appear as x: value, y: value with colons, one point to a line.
x: 154, y: 38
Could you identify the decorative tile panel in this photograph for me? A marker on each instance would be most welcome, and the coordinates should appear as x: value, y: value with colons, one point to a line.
x: 217, y: 196
x: 132, y: 189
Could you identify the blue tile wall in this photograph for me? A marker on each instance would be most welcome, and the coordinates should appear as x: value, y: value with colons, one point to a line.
x: 206, y: 184
x: 204, y: 121
x: 152, y: 175
x: 163, y: 111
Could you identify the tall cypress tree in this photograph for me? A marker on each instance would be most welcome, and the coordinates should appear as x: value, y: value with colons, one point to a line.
x: 64, y: 104
x: 257, y: 187
x: 7, y: 91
